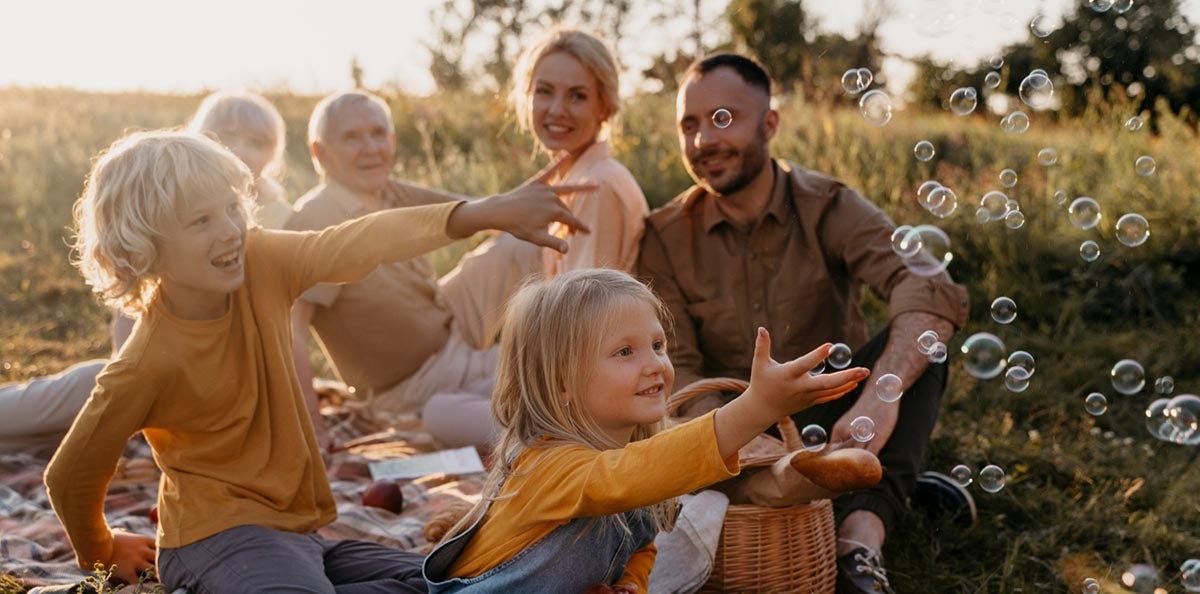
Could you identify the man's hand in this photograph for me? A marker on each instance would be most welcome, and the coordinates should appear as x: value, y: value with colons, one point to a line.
x: 131, y: 554
x: 526, y: 212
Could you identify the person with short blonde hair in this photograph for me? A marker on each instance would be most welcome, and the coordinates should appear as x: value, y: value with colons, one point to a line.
x: 586, y: 472
x: 163, y: 230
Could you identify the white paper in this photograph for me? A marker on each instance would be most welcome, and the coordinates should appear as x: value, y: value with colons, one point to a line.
x: 460, y: 461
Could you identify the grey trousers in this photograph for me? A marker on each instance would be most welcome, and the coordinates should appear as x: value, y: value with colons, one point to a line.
x: 39, y: 412
x: 258, y: 559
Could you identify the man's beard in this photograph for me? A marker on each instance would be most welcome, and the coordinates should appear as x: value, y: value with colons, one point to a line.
x: 753, y: 157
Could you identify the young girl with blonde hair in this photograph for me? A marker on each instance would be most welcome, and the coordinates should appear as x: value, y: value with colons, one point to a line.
x: 566, y: 92
x: 587, y: 472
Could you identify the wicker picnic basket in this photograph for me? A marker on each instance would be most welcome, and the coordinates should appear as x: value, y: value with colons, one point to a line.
x: 769, y: 549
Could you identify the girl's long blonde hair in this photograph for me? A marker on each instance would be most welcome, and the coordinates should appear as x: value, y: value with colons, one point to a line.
x: 551, y: 329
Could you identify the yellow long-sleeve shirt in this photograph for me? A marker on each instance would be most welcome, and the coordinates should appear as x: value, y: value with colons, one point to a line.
x: 218, y: 400
x: 550, y: 487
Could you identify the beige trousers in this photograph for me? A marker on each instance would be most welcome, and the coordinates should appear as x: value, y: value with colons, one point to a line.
x: 39, y: 412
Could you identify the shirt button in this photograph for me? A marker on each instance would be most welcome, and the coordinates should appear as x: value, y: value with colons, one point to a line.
x: 756, y: 305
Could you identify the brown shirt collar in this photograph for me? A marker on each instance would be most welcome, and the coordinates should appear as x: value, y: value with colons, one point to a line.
x: 781, y: 192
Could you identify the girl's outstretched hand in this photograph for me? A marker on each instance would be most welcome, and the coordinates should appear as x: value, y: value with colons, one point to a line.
x: 788, y: 388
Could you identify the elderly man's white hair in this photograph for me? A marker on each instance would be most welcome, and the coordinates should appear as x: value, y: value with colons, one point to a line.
x: 328, y: 108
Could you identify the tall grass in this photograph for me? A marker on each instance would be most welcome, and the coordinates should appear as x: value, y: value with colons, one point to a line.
x: 1086, y: 496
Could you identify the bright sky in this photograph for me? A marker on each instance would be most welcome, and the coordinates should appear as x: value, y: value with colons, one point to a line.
x: 307, y: 45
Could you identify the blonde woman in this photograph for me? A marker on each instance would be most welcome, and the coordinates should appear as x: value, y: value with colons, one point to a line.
x: 566, y: 93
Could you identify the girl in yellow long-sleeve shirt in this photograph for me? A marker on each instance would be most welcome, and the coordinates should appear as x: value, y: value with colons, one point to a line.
x: 585, y: 478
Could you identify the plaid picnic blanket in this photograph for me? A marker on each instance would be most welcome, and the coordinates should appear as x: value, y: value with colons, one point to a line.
x: 34, y: 547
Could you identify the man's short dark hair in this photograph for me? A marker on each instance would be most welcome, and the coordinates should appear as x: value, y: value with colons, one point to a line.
x: 747, y: 68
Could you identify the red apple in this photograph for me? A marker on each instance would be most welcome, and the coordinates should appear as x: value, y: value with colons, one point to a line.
x: 385, y: 494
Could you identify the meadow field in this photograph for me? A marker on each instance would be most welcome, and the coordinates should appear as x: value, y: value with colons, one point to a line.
x: 1086, y: 496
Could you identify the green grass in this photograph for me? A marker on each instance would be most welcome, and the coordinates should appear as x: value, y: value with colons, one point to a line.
x: 1086, y: 496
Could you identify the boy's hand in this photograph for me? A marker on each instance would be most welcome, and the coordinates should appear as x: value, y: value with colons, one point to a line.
x: 131, y: 554
x: 526, y: 212
x: 783, y: 389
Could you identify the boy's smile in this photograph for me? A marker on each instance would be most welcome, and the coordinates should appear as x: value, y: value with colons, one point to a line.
x: 201, y: 259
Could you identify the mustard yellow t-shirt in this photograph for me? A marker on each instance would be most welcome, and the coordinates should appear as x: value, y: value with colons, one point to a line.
x: 550, y: 487
x: 218, y: 400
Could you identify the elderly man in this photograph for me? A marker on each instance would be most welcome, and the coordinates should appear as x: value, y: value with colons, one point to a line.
x: 761, y: 242
x: 400, y: 336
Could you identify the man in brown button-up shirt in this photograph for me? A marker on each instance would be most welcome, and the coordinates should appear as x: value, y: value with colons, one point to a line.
x: 762, y: 242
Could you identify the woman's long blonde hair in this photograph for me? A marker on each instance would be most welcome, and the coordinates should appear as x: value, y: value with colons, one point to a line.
x: 551, y: 329
x: 590, y: 51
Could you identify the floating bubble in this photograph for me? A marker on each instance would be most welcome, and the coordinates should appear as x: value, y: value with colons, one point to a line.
x: 1127, y: 377
x: 1157, y: 421
x: 1133, y: 229
x: 862, y: 429
x: 876, y: 107
x: 981, y: 215
x: 939, y: 353
x: 1008, y: 178
x: 991, y: 80
x: 1047, y: 157
x: 813, y: 438
x: 924, y: 191
x: 961, y: 474
x: 1016, y: 379
x: 1122, y: 6
x: 1012, y: 206
x: 1084, y: 213
x: 1100, y: 5
x: 1184, y: 413
x: 1089, y: 251
x: 1095, y: 404
x: 722, y: 118
x: 839, y: 356
x: 943, y: 202
x: 1189, y: 575
x: 983, y: 355
x: 1060, y: 197
x: 1164, y: 385
x: 1022, y: 359
x: 934, y: 254
x: 996, y: 62
x: 1004, y: 310
x: 901, y: 246
x: 1041, y: 26
x: 926, y: 341
x: 1134, y: 124
x: 1016, y: 122
x: 1141, y: 578
x: 1091, y: 586
x: 1015, y: 219
x: 818, y: 369
x: 963, y: 100
x: 1036, y: 90
x: 889, y: 387
x: 1145, y: 166
x: 996, y: 205
x: 856, y: 80
x: 924, y: 151
x: 991, y: 478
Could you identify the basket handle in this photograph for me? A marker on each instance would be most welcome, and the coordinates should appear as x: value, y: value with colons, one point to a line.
x: 787, y: 427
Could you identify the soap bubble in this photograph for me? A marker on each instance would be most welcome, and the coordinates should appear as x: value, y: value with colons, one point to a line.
x: 1008, y: 178
x: 1133, y: 229
x: 862, y: 429
x: 924, y: 191
x: 818, y: 369
x: 1036, y: 90
x: 991, y: 80
x: 1060, y: 197
x: 1141, y: 578
x: 721, y: 118
x: 1089, y: 251
x: 1022, y: 359
x: 1100, y: 5
x: 982, y: 216
x: 1133, y: 124
x: 1084, y: 213
x: 1047, y: 157
x: 1015, y: 219
x: 961, y: 474
x: 983, y: 355
x: 996, y: 205
x: 813, y: 438
x: 1184, y: 413
x: 1145, y: 166
x: 1127, y: 377
x: 991, y: 478
x: 1164, y: 385
x: 1004, y: 310
x: 1095, y: 404
x: 996, y: 62
x: 963, y: 100
x: 924, y: 151
x: 938, y: 354
x: 1157, y: 421
x: 839, y: 356
x: 1012, y: 206
x: 1091, y: 586
x: 1189, y: 575
x: 1016, y: 122
x: 926, y: 341
x: 856, y: 80
x: 1016, y: 379
x: 876, y: 107
x: 889, y: 387
x: 1040, y: 26
x: 943, y: 202
x: 1122, y: 6
x: 934, y: 254
x: 901, y: 246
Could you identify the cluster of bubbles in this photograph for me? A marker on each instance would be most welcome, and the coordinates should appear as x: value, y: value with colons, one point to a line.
x: 874, y: 105
x: 991, y: 477
x: 963, y: 100
x: 1143, y: 578
x: 925, y: 249
x: 1036, y: 90
x: 1118, y: 6
x: 939, y: 200
x: 1016, y: 122
x: 931, y: 345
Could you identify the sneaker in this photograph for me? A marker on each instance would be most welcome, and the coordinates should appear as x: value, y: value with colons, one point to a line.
x: 938, y: 495
x: 861, y: 572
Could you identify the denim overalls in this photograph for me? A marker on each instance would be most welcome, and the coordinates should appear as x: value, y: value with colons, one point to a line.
x: 578, y: 554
